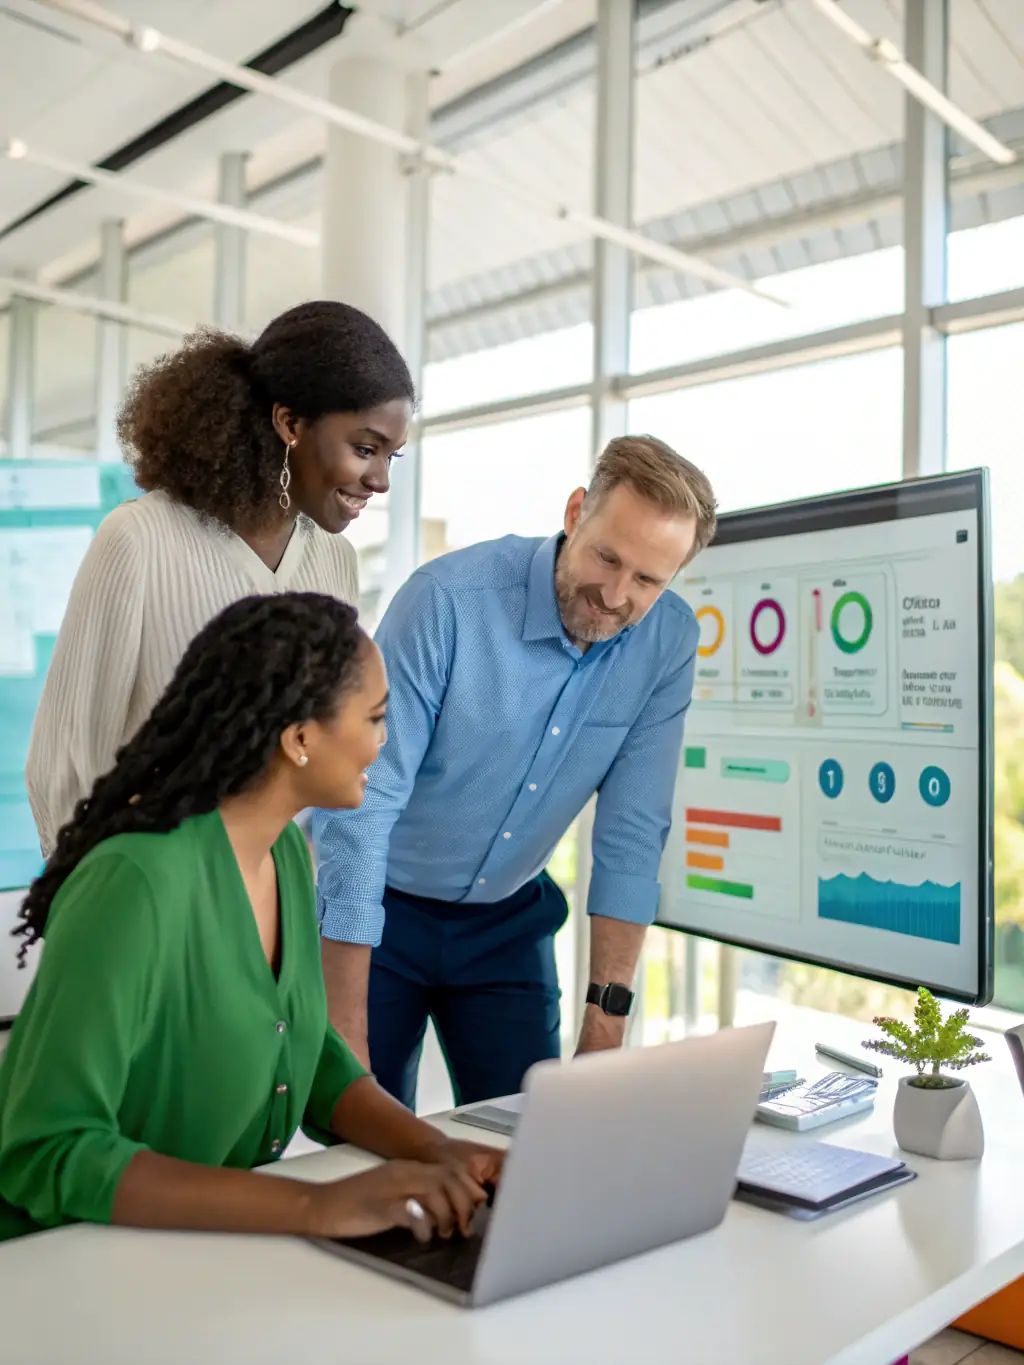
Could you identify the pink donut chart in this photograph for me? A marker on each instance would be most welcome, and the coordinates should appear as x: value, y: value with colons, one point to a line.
x: 767, y: 604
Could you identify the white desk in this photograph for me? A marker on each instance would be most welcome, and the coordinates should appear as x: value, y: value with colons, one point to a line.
x: 865, y: 1285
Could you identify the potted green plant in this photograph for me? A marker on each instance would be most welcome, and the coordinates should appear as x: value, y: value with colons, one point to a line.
x: 936, y: 1114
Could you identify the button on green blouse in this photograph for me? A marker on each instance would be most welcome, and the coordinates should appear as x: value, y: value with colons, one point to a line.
x: 155, y: 1021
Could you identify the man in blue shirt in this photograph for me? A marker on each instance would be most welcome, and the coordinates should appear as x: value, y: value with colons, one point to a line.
x: 525, y: 676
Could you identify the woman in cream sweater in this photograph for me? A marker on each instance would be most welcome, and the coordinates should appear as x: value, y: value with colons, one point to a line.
x: 254, y: 459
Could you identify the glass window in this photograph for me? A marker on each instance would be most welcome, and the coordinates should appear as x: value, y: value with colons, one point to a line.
x: 819, y: 297
x: 508, y: 300
x: 176, y: 281
x: 369, y: 533
x: 552, y: 360
x: 986, y: 427
x: 508, y: 479
x: 279, y: 274
x: 65, y: 379
x: 986, y: 260
x: 4, y: 330
x: 562, y: 868
x: 791, y: 434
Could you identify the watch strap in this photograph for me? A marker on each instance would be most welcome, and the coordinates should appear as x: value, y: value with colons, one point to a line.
x: 613, y: 998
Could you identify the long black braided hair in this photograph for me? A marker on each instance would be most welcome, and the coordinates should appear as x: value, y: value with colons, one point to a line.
x: 263, y: 664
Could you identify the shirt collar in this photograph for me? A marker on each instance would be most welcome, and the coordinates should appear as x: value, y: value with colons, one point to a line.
x: 543, y: 619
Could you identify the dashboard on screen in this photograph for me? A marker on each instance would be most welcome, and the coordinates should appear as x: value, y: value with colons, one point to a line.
x: 833, y: 798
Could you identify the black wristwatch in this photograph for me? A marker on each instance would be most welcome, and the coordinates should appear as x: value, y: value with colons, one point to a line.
x: 615, y: 998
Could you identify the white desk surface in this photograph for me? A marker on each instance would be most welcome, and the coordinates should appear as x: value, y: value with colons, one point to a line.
x: 859, y: 1288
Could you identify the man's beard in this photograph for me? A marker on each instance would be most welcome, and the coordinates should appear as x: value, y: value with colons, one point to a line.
x: 581, y: 626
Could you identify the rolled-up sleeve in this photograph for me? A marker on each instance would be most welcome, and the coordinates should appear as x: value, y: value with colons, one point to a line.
x: 62, y: 1154
x: 416, y: 638
x: 337, y: 1069
x: 634, y: 802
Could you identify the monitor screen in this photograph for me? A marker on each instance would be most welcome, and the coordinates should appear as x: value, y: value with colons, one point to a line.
x: 833, y: 800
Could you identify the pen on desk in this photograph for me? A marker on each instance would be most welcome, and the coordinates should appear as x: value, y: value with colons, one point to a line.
x: 774, y: 1092
x: 848, y: 1059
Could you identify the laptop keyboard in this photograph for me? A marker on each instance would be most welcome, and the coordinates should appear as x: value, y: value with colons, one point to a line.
x: 451, y: 1262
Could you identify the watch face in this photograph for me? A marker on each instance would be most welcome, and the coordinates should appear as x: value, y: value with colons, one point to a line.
x: 618, y: 998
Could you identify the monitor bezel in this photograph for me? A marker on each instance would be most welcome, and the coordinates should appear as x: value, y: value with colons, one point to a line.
x: 880, y: 504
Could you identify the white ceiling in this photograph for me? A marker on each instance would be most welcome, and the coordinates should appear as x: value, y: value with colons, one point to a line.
x: 778, y: 92
x: 71, y: 90
x: 745, y: 110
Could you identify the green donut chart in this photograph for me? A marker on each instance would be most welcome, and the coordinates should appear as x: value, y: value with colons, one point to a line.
x: 856, y: 644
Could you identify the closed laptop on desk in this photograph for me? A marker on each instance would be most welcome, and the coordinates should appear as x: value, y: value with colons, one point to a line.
x: 615, y: 1154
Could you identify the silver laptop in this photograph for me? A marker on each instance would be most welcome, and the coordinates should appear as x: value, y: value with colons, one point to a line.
x: 614, y: 1154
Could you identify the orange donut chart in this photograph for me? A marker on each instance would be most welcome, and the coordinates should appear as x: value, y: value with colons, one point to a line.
x: 705, y: 651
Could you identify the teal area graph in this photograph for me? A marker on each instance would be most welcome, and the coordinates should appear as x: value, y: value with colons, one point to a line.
x: 48, y: 510
x: 925, y: 911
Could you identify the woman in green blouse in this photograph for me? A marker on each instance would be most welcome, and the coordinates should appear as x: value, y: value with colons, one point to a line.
x: 176, y: 1032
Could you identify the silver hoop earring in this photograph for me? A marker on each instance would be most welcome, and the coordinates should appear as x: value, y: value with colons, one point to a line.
x: 285, y: 480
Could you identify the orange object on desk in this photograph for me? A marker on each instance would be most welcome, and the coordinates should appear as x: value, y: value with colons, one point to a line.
x: 1000, y: 1318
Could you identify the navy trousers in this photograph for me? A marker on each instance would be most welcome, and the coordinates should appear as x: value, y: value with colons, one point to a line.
x: 486, y: 976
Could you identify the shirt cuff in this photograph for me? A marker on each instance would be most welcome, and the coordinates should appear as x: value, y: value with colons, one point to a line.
x: 621, y: 895
x: 345, y: 924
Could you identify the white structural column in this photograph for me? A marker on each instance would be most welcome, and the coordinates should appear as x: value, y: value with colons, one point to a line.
x: 613, y: 199
x: 925, y: 224
x: 374, y: 248
x: 112, y: 280
x: 405, y: 520
x: 229, y: 266
x: 21, y: 349
x: 612, y: 297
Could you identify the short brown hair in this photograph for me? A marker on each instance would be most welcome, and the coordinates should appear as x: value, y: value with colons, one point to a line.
x: 656, y: 472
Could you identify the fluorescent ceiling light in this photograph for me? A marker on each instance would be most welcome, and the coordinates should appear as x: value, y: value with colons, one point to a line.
x: 16, y: 150
x: 891, y: 59
x: 149, y: 41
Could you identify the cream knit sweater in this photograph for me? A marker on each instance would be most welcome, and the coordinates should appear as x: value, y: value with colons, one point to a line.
x: 154, y: 575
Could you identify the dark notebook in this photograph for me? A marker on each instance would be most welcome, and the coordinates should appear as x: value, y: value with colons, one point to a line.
x: 808, y: 1179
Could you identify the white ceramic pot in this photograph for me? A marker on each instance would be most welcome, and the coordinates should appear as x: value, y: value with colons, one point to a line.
x: 945, y: 1124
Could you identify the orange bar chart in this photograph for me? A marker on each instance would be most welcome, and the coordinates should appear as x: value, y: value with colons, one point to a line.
x: 709, y: 838
x: 710, y: 862
x: 721, y: 822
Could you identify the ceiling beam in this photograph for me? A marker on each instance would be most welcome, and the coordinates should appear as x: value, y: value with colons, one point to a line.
x: 891, y: 59
x: 16, y: 150
x: 301, y: 42
x: 149, y: 41
x: 94, y: 307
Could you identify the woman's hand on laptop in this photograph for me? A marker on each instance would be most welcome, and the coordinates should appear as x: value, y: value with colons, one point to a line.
x: 429, y: 1198
x: 478, y: 1160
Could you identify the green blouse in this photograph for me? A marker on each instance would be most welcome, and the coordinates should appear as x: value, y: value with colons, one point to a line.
x: 155, y: 1021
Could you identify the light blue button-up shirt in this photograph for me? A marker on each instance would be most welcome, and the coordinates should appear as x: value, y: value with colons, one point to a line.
x: 499, y: 732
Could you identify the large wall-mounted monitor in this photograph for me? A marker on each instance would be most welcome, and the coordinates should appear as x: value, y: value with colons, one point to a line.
x: 833, y: 802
